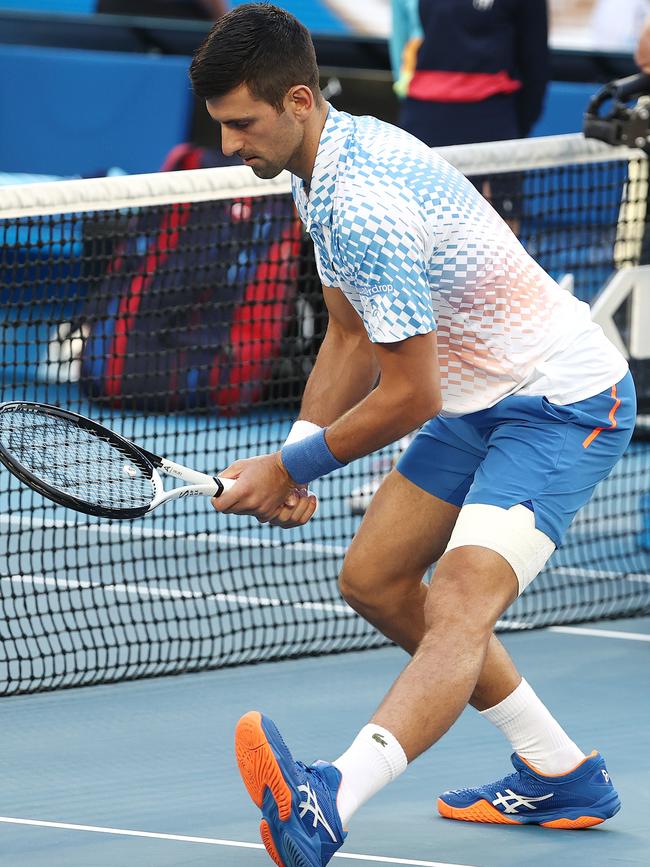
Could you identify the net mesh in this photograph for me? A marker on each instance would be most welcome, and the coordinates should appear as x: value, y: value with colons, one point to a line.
x: 184, y: 312
x: 74, y: 460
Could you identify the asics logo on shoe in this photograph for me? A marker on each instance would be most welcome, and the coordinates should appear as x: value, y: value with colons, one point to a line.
x: 310, y: 805
x: 511, y: 801
x: 605, y: 775
x: 380, y: 739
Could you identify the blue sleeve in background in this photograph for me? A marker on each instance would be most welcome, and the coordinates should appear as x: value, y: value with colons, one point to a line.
x: 405, y: 26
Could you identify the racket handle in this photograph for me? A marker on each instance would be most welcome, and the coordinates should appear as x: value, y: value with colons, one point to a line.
x: 223, y: 485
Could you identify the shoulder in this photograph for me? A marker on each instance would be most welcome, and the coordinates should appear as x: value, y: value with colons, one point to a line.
x: 384, y: 172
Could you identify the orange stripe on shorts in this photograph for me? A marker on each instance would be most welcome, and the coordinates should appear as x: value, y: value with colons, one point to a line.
x: 612, y: 418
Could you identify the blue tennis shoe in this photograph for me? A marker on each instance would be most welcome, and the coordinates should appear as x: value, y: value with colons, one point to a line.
x: 582, y: 798
x: 300, y: 824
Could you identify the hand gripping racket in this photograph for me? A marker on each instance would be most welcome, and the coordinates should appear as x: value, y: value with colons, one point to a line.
x: 83, y: 465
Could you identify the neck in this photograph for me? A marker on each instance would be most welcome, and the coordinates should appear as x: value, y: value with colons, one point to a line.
x: 302, y: 164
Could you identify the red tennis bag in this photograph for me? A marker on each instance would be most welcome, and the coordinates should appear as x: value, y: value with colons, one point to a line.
x: 193, y: 308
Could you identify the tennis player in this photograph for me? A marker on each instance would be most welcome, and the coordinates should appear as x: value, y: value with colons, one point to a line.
x: 438, y: 320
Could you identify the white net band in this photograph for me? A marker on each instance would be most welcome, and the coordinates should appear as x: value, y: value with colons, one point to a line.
x: 130, y: 191
x: 201, y: 185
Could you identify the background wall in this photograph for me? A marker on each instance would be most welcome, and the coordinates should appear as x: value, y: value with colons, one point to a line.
x: 71, y: 111
x: 82, y: 112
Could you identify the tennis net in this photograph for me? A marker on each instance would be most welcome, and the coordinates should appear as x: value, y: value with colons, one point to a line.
x: 184, y: 311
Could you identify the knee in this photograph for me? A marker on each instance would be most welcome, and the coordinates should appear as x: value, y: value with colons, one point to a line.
x: 461, y: 598
x: 356, y: 585
x: 370, y: 589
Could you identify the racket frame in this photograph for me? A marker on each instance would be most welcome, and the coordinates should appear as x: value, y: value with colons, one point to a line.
x: 200, y: 484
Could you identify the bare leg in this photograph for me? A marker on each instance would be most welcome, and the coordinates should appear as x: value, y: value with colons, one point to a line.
x: 470, y: 589
x: 447, y: 628
x: 383, y: 580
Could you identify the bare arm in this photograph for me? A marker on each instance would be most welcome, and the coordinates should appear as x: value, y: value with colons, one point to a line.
x: 346, y: 367
x: 642, y: 54
x: 408, y: 394
x: 339, y: 394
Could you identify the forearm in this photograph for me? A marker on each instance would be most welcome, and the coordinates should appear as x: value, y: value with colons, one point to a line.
x: 383, y: 417
x: 642, y: 54
x: 344, y: 373
x: 408, y: 394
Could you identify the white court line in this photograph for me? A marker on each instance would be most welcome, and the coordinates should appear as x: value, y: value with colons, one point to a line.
x: 600, y: 633
x: 208, y: 841
x: 608, y: 575
x: 145, y: 592
x: 130, y: 531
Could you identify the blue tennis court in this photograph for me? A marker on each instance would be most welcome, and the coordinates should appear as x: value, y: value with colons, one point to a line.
x: 144, y: 773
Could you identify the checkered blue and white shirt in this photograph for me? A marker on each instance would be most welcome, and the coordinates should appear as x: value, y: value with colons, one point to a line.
x: 415, y: 248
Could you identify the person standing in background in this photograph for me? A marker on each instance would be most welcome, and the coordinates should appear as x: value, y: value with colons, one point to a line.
x: 404, y: 42
x: 481, y: 71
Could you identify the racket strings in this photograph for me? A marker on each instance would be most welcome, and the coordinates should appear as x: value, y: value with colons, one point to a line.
x: 76, y: 461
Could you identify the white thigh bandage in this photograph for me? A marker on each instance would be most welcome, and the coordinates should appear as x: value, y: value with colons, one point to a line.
x: 510, y: 532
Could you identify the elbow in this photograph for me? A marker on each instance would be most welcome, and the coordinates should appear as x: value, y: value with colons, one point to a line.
x: 420, y: 407
x: 432, y: 409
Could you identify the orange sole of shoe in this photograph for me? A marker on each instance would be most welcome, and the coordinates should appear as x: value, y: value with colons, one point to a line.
x: 483, y: 811
x: 260, y: 771
x: 269, y: 845
x: 573, y: 824
x: 258, y: 766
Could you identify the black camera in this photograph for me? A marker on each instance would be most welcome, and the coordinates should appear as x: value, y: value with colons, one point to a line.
x: 611, y: 118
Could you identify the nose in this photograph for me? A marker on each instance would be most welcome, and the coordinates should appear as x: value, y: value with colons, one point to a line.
x: 230, y: 142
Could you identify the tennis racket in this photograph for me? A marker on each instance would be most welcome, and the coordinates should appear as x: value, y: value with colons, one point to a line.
x: 83, y: 465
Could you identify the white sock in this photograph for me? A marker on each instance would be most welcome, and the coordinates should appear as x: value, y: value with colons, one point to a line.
x: 374, y: 759
x: 534, y: 734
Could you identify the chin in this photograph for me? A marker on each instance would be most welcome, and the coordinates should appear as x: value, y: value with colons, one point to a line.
x: 266, y: 172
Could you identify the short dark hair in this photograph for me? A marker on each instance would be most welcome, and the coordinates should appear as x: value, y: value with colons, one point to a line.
x: 259, y: 45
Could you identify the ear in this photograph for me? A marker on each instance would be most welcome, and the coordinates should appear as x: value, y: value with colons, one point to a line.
x: 300, y: 101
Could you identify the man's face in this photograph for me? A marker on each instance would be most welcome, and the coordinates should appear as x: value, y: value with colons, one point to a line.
x: 253, y: 130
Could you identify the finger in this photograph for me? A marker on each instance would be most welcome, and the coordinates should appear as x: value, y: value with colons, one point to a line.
x: 310, y: 509
x: 305, y: 508
x: 296, y: 494
x: 282, y: 516
x: 233, y: 470
x: 227, y: 500
x: 301, y: 510
x: 227, y: 503
x: 287, y: 519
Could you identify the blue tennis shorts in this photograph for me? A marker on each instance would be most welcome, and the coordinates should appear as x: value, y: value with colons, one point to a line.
x: 525, y: 450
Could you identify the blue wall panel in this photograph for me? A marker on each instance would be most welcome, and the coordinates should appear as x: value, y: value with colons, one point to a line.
x: 78, y: 112
x: 316, y: 16
x: 566, y: 103
x: 72, y: 7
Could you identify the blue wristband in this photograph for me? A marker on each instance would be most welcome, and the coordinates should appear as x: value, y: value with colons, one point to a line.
x: 309, y: 458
